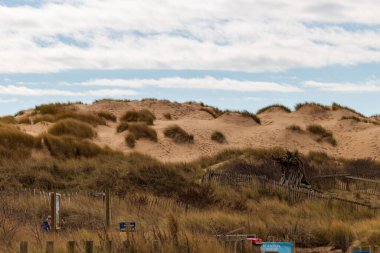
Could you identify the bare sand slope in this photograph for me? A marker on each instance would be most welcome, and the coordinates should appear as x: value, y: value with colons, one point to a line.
x: 355, y: 139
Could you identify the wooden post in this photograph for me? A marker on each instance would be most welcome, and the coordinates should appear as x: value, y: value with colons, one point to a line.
x: 23, y: 247
x: 89, y: 247
x: 155, y: 247
x: 108, y: 208
x: 49, y: 247
x: 108, y: 247
x: 71, y: 246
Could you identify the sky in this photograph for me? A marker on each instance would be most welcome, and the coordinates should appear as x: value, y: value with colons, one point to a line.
x: 241, y: 54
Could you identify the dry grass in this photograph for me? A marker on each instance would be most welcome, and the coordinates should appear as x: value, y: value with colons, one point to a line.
x: 357, y: 119
x: 123, y: 126
x: 145, y: 116
x: 276, y: 106
x: 44, y: 118
x: 141, y: 130
x: 218, y: 137
x: 8, y: 120
x: 336, y: 106
x: 214, y: 112
x: 324, y: 135
x: 54, y: 108
x: 179, y: 135
x: 107, y: 116
x: 14, y: 143
x: 295, y: 128
x: 24, y: 120
x: 130, y: 139
x: 315, y: 105
x: 72, y: 127
x: 89, y: 118
x: 167, y: 116
x: 251, y: 115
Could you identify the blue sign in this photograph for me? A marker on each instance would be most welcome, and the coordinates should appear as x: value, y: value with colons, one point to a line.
x: 280, y: 247
x: 123, y: 227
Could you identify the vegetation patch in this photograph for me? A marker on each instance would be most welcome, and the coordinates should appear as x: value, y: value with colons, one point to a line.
x: 179, y: 135
x: 24, y: 120
x: 357, y: 119
x: 107, y: 116
x: 295, y: 128
x: 54, y: 108
x: 218, y: 137
x: 8, y: 120
x: 214, y: 112
x: 123, y: 126
x: 141, y: 130
x: 70, y: 147
x: 167, y: 116
x: 251, y: 115
x: 89, y: 118
x: 145, y: 116
x: 277, y: 106
x: 316, y: 105
x: 130, y: 140
x: 336, y: 106
x: 324, y: 135
x: 72, y: 127
x: 14, y: 143
x: 44, y: 118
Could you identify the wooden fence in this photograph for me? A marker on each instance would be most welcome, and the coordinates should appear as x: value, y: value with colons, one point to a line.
x: 293, y: 195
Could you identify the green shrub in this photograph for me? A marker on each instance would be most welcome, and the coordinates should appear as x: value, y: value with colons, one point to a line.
x: 139, y: 116
x: 323, y: 133
x: 8, y: 120
x: 123, y: 126
x: 72, y: 127
x: 107, y: 116
x: 167, y: 116
x: 178, y: 134
x: 24, y: 120
x: 282, y: 107
x: 70, y: 147
x: 130, y: 139
x: 141, y: 130
x: 89, y: 118
x: 294, y: 128
x: 218, y: 137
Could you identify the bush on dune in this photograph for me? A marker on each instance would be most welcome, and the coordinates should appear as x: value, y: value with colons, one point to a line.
x: 8, y: 120
x: 107, y: 116
x: 44, y: 118
x: 179, y: 135
x: 53, y: 108
x: 130, y: 139
x: 139, y: 116
x: 70, y: 147
x: 323, y: 133
x: 294, y: 128
x: 218, y: 137
x: 14, y: 143
x: 282, y: 107
x: 24, y: 120
x: 141, y: 130
x: 317, y: 105
x: 251, y: 115
x: 72, y: 127
x: 123, y: 126
x: 89, y: 118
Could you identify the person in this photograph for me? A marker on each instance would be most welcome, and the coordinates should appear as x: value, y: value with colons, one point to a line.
x: 46, y: 225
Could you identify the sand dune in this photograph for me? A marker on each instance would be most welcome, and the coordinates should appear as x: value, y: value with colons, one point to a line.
x: 355, y: 139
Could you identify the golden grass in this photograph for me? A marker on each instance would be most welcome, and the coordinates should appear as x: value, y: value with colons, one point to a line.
x: 141, y: 130
x: 54, y: 108
x: 315, y: 105
x: 123, y: 126
x: 89, y: 118
x: 167, y: 116
x: 276, y: 106
x: 130, y: 139
x: 8, y: 120
x: 294, y: 128
x: 178, y: 134
x: 107, y: 116
x: 218, y: 137
x: 72, y: 127
x: 322, y: 133
x: 145, y: 116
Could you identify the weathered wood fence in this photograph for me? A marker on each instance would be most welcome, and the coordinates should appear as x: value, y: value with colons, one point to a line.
x: 268, y: 186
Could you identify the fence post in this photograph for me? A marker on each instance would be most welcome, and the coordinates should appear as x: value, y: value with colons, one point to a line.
x: 108, y: 246
x: 108, y: 208
x: 155, y: 247
x: 49, y: 247
x: 89, y: 247
x: 71, y: 246
x: 23, y: 247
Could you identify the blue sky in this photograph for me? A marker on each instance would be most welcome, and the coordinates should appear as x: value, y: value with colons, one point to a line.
x: 231, y: 54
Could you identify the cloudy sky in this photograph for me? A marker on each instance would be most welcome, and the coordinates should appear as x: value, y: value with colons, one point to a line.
x: 241, y: 54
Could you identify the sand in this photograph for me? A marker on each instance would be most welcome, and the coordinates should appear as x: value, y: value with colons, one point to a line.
x: 355, y: 139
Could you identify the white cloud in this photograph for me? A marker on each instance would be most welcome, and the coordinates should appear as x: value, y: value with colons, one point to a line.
x: 208, y: 82
x: 370, y: 86
x: 26, y: 91
x: 235, y: 35
x: 7, y: 101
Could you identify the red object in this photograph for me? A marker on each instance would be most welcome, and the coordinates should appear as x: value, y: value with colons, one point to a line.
x: 255, y: 240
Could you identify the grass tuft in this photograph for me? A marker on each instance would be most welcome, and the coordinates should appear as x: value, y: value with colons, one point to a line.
x: 167, y: 116
x: 214, y: 112
x: 218, y: 137
x: 53, y: 108
x: 8, y: 120
x: 251, y: 115
x: 282, y: 107
x: 89, y: 118
x: 336, y: 106
x: 317, y: 105
x: 107, y: 116
x: 294, y: 128
x: 322, y: 133
x: 139, y: 116
x: 179, y: 135
x: 130, y: 139
x: 141, y: 130
x: 44, y: 118
x: 123, y: 126
x: 72, y: 127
